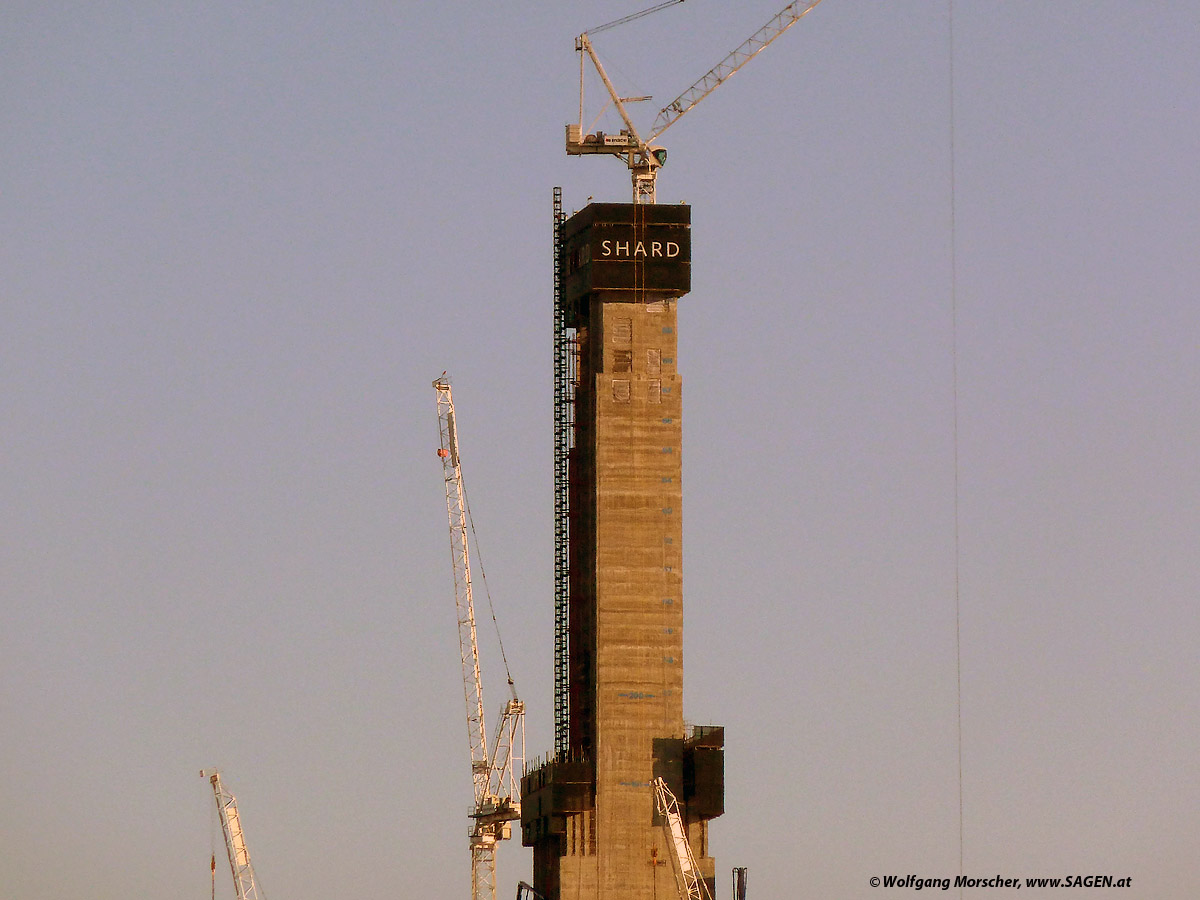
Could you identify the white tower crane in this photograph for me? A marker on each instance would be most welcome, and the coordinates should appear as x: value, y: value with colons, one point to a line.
x: 235, y: 842
x: 687, y: 875
x: 494, y: 772
x: 644, y: 156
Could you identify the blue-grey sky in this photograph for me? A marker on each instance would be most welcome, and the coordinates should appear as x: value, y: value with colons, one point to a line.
x: 237, y: 242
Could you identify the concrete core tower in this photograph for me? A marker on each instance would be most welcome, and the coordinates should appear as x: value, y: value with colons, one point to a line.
x: 589, y: 812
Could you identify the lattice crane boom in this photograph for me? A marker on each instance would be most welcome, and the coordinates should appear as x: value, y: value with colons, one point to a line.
x: 495, y: 771
x: 460, y: 558
x: 244, y: 881
x: 687, y: 875
x: 722, y: 71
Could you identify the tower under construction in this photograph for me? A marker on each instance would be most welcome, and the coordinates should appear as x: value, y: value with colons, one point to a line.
x: 588, y: 811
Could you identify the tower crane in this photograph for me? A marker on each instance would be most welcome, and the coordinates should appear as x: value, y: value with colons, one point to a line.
x: 244, y: 881
x: 687, y: 875
x: 644, y: 156
x: 495, y: 772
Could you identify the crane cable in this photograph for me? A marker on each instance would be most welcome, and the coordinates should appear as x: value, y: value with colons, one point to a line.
x: 954, y: 356
x: 487, y: 592
x: 632, y: 16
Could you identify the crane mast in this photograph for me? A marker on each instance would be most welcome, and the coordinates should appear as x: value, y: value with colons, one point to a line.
x: 495, y: 771
x: 643, y: 156
x: 235, y: 842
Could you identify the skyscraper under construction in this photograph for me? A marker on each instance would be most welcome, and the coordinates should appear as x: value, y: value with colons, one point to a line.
x: 589, y: 810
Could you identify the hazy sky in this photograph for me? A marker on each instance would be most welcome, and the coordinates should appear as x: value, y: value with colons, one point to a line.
x: 237, y: 243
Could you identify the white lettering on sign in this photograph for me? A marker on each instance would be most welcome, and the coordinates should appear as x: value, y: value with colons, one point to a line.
x: 630, y: 250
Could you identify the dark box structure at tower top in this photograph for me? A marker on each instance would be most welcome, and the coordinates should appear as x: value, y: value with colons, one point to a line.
x: 631, y: 249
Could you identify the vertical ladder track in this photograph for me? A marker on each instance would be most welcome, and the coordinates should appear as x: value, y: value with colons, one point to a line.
x: 564, y: 428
